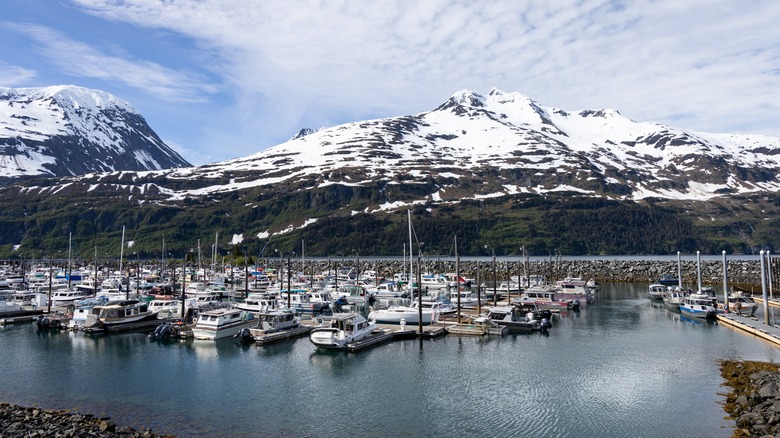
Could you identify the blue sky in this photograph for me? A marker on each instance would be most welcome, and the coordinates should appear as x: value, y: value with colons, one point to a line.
x: 220, y: 79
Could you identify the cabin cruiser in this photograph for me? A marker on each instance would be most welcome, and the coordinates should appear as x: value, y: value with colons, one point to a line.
x: 301, y: 301
x: 170, y: 308
x: 740, y: 302
x: 340, y: 329
x: 674, y: 298
x: 222, y: 323
x: 514, y: 320
x: 114, y: 313
x: 698, y: 306
x: 270, y: 322
x: 259, y: 302
x: 657, y: 291
x: 543, y: 298
x: 405, y: 315
x: 63, y: 298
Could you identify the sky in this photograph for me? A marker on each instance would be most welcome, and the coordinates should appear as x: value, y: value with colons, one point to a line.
x: 221, y: 79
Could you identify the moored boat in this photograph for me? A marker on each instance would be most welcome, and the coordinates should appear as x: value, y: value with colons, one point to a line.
x: 698, y: 306
x: 510, y: 317
x: 340, y: 329
x: 405, y: 314
x: 222, y: 323
x: 657, y: 291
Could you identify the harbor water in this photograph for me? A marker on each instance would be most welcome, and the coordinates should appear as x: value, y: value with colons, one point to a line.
x: 623, y: 366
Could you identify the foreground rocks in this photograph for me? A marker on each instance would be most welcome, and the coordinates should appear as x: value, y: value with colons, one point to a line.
x: 754, y: 402
x: 17, y: 421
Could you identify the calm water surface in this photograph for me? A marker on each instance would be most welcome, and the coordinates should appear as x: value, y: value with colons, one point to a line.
x: 621, y: 367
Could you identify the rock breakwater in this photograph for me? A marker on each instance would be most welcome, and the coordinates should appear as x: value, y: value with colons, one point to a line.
x: 18, y: 421
x: 746, y: 273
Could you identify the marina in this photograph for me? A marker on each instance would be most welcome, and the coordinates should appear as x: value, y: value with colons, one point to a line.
x: 596, y: 367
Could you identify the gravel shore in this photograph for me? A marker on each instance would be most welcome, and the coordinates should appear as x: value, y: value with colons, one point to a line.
x: 19, y: 421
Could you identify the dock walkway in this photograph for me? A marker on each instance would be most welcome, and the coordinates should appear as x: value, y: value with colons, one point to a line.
x: 752, y: 324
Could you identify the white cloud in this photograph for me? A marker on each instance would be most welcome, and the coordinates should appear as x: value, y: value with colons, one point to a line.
x: 12, y: 75
x: 83, y: 60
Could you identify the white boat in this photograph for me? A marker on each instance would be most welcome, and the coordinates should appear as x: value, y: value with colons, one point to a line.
x: 674, y: 298
x: 222, y: 323
x: 69, y: 296
x: 115, y: 313
x: 83, y: 308
x: 407, y: 314
x: 258, y: 302
x: 698, y: 306
x: 170, y: 308
x: 467, y: 299
x: 341, y: 329
x: 741, y: 303
x: 272, y: 322
x: 301, y: 301
x: 657, y: 291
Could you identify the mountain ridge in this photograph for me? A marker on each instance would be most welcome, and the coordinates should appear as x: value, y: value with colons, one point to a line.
x: 497, y: 167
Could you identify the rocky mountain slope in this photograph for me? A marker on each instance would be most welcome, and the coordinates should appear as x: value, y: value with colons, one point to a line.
x: 68, y: 130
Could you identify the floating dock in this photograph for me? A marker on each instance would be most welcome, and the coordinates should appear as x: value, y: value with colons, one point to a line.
x: 282, y: 335
x: 18, y: 316
x: 752, y: 325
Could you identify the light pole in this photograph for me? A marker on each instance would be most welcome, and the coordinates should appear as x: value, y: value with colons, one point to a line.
x: 495, y: 287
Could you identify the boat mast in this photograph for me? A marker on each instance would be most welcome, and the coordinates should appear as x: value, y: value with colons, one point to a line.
x: 457, y: 275
x: 70, y: 238
x: 121, y: 255
x: 411, y: 253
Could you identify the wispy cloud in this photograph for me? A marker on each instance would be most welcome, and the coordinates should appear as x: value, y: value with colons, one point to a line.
x: 650, y: 60
x: 12, y: 75
x: 83, y: 60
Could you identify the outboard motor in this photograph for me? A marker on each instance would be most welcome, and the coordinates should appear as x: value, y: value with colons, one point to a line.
x: 245, y: 335
x: 575, y: 305
x: 545, y: 325
x: 42, y: 322
x: 162, y: 331
x: 545, y: 313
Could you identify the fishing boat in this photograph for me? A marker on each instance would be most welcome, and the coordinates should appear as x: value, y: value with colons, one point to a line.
x: 222, y: 323
x: 674, y: 298
x: 270, y: 322
x: 340, y: 329
x: 657, y: 291
x: 698, y: 306
x: 510, y: 317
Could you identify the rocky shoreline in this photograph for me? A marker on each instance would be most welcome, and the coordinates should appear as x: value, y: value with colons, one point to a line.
x: 754, y: 401
x: 742, y: 272
x: 19, y: 421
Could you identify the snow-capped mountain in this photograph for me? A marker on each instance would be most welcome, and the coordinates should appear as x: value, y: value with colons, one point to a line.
x: 494, y: 168
x: 500, y: 144
x: 69, y: 130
